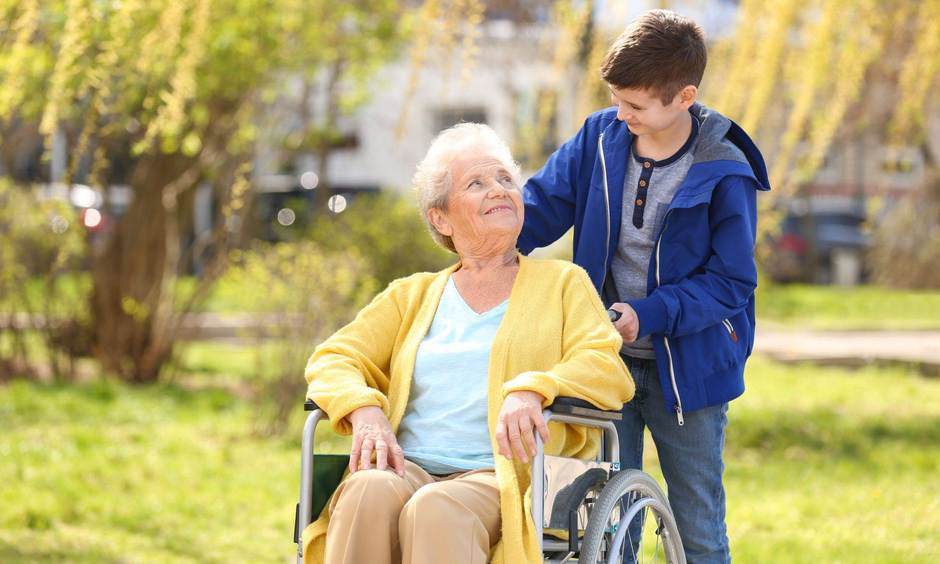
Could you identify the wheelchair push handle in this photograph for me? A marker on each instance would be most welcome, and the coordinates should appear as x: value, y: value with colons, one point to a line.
x: 614, y: 315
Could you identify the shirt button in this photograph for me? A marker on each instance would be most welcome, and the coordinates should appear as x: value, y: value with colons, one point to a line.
x: 642, y: 183
x: 639, y: 202
x: 646, y: 164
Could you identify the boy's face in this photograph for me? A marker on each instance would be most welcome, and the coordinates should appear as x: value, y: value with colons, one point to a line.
x: 644, y: 112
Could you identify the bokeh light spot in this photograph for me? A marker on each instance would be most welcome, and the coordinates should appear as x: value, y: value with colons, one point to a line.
x: 337, y: 203
x: 286, y: 216
x: 309, y: 180
x: 59, y: 225
x: 91, y: 218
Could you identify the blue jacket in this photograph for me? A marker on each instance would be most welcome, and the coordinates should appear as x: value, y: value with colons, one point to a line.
x: 699, y: 307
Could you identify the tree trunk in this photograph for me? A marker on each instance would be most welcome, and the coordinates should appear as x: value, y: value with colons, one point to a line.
x: 133, y: 295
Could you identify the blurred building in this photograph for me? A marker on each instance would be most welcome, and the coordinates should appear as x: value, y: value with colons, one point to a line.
x: 506, y: 81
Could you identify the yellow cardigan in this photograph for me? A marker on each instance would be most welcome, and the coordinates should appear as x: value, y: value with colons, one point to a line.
x: 555, y: 339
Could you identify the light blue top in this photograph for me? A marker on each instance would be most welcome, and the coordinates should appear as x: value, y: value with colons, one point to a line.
x: 444, y: 429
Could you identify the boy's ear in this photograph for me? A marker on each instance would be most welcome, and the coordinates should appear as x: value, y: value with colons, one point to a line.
x: 687, y: 96
x: 437, y: 219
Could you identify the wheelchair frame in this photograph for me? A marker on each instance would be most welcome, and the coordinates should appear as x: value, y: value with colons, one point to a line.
x: 563, y: 410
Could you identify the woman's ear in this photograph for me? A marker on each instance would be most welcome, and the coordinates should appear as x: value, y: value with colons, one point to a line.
x: 439, y: 221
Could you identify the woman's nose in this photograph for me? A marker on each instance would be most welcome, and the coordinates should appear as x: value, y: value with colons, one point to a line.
x: 497, y: 190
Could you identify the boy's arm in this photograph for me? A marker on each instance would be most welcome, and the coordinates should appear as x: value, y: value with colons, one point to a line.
x: 550, y: 196
x: 728, y: 278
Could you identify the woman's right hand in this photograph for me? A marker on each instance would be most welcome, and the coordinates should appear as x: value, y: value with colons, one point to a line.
x: 373, y: 433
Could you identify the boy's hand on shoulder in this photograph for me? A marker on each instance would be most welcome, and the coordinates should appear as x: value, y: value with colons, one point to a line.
x: 629, y: 324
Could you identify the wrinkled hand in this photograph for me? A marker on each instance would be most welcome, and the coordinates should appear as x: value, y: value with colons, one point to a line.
x: 520, y: 414
x: 373, y: 433
x: 629, y: 324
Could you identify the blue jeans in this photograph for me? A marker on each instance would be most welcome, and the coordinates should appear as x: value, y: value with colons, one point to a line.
x: 691, y: 460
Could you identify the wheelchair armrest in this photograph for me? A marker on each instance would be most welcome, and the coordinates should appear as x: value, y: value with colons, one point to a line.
x: 309, y: 405
x: 575, y: 406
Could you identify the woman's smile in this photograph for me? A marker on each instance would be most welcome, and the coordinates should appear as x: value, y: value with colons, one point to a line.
x: 498, y: 209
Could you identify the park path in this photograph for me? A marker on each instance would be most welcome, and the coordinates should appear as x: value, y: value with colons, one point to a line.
x: 921, y: 349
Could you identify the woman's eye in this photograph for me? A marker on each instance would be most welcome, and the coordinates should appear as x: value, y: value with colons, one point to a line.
x: 474, y: 184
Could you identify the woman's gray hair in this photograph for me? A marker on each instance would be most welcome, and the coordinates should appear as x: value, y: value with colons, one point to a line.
x: 432, y: 180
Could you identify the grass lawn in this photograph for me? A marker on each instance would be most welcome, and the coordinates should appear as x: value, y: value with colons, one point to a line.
x: 106, y: 473
x: 832, y: 465
x: 862, y: 307
x: 798, y: 305
x: 823, y: 465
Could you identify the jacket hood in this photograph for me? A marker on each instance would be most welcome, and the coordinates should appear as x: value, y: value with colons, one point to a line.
x: 720, y: 139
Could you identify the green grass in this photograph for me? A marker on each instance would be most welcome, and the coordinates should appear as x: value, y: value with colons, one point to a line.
x: 832, y: 465
x: 106, y: 473
x: 219, y: 360
x: 816, y: 307
x: 862, y: 307
x: 823, y: 465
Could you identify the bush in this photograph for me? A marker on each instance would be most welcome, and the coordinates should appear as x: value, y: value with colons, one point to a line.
x: 905, y: 247
x: 310, y: 293
x: 42, y: 291
x: 387, y: 230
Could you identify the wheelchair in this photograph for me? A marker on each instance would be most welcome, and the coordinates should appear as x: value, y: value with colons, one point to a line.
x: 585, y: 511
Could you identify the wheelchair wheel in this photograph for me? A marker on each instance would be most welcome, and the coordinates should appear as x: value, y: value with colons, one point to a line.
x: 631, y: 495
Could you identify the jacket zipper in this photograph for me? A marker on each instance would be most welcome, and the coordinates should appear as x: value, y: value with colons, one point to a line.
x: 672, y: 371
x: 727, y: 323
x: 600, y: 148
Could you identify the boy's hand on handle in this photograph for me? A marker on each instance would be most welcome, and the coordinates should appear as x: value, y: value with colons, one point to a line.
x: 628, y: 324
x: 520, y: 415
x: 373, y: 433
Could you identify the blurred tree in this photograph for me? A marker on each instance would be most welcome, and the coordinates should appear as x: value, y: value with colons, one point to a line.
x: 181, y: 88
x: 388, y: 232
x: 799, y: 75
x: 177, y: 88
x: 312, y: 292
x: 804, y: 76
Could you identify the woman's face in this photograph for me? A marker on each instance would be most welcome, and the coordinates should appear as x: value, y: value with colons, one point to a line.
x: 484, y: 206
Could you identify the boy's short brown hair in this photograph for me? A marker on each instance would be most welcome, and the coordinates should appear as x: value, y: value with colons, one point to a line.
x: 660, y: 51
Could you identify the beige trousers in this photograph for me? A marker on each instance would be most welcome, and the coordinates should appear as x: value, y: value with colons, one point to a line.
x: 377, y: 517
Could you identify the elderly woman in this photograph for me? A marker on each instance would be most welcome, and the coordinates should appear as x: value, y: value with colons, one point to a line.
x: 442, y: 378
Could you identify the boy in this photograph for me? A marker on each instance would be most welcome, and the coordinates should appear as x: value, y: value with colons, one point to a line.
x: 661, y: 192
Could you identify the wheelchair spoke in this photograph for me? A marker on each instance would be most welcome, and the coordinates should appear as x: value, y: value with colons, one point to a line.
x: 659, y: 531
x: 631, y: 503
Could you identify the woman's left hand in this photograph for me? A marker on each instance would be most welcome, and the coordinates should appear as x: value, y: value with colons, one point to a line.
x: 519, y: 416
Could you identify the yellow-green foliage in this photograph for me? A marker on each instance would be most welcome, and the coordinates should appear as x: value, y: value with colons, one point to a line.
x: 435, y: 31
x: 38, y: 236
x: 40, y: 240
x: 799, y: 72
x: 173, y: 74
x: 387, y: 230
x: 309, y: 293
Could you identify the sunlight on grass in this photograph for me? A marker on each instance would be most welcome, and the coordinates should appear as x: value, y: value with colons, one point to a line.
x: 862, y: 307
x: 832, y: 465
x: 823, y: 465
x: 97, y: 473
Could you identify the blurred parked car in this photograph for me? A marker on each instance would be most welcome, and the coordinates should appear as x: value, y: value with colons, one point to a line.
x: 820, y: 242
